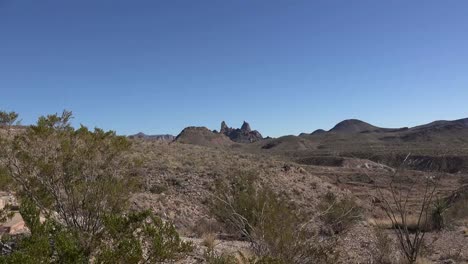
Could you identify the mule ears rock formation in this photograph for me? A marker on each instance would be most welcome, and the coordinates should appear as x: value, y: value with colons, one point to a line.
x: 246, y: 127
x: 243, y: 135
x: 224, y: 128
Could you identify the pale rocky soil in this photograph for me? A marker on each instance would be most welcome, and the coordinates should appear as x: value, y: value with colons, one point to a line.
x: 179, y: 178
x: 182, y: 178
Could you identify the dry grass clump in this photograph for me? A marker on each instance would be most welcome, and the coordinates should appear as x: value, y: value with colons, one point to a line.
x: 339, y: 214
x: 423, y: 261
x: 238, y: 258
x: 212, y: 257
x: 411, y: 223
x: 209, y: 240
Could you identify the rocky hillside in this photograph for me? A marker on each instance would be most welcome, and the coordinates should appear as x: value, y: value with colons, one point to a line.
x: 181, y: 182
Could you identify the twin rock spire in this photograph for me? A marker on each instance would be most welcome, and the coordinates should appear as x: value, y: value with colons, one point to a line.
x: 242, y: 135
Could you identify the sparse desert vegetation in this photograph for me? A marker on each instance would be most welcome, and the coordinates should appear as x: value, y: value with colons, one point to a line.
x: 150, y: 200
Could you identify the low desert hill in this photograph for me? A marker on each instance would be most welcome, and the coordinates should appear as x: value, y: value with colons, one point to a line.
x: 202, y: 136
x: 353, y: 126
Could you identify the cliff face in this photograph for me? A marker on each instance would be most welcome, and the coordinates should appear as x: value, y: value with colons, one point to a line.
x: 241, y: 135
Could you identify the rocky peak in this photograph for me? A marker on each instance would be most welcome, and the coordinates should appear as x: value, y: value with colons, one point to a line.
x: 243, y: 135
x: 224, y: 128
x: 246, y: 127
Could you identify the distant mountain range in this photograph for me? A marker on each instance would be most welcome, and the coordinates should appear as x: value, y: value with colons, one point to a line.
x: 442, y: 144
x: 358, y: 126
x: 141, y: 135
x: 343, y: 136
x: 350, y: 126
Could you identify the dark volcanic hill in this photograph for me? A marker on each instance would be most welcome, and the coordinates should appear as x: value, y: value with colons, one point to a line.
x: 358, y: 126
x: 318, y: 131
x: 353, y: 126
x: 241, y: 135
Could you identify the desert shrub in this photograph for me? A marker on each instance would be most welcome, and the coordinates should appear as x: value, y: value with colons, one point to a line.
x: 383, y: 247
x: 206, y: 226
x: 79, y: 174
x: 211, y: 257
x: 140, y: 236
x: 49, y: 242
x: 5, y: 180
x: 248, y: 209
x: 437, y: 217
x: 158, y: 189
x: 80, y: 181
x: 454, y: 255
x: 237, y: 203
x: 337, y: 214
x: 449, y: 210
x: 132, y: 238
x: 259, y: 215
x: 458, y: 208
x: 410, y: 226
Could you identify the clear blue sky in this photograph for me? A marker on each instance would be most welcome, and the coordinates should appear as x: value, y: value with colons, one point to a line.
x: 285, y: 66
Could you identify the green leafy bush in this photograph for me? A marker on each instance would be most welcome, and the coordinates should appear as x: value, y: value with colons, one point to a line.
x: 49, y: 242
x: 140, y: 236
x: 80, y: 181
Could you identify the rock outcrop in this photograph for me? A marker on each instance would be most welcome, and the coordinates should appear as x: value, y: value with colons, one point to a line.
x: 241, y: 135
x: 224, y: 128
